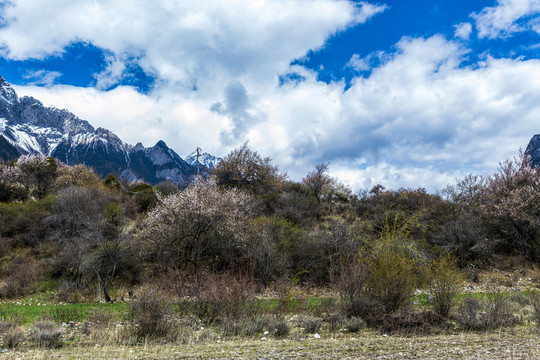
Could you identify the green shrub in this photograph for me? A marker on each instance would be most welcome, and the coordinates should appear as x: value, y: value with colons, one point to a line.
x: 445, y: 285
x: 395, y: 268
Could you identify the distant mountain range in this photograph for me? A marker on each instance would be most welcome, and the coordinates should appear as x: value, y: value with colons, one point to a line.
x: 28, y: 127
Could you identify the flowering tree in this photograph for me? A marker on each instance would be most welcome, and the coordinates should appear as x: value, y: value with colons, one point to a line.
x: 29, y: 175
x: 512, y: 201
x: 184, y: 226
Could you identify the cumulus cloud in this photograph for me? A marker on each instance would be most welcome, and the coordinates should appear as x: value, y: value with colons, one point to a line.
x: 463, y: 31
x: 420, y: 109
x: 508, y: 17
x: 185, y: 44
x: 420, y: 118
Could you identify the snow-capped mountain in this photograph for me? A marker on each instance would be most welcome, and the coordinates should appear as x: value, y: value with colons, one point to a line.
x: 28, y: 127
x: 205, y: 159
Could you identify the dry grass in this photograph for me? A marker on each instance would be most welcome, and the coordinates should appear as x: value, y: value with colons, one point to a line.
x: 521, y: 343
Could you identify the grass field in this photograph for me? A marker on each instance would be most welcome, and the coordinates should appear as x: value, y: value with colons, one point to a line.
x: 84, y: 337
x: 509, y: 344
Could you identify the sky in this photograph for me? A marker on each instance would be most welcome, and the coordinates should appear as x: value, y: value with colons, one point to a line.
x: 410, y: 94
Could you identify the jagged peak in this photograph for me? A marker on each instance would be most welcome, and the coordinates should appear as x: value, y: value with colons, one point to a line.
x: 138, y: 147
x: 161, y: 144
x: 205, y: 159
x: 30, y: 100
x: 7, y: 93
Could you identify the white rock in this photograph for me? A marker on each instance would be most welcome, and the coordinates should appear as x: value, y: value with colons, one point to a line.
x: 317, y: 336
x: 264, y: 339
x: 266, y: 332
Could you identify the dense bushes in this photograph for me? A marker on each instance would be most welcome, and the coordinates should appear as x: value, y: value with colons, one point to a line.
x: 375, y: 248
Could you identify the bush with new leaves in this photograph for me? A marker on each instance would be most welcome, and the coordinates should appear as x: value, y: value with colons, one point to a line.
x: 395, y: 268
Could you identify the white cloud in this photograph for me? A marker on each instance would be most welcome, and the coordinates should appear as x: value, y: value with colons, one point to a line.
x: 365, y: 11
x: 359, y: 64
x: 42, y: 77
x: 508, y: 17
x: 184, y: 43
x: 419, y: 119
x: 111, y: 75
x: 463, y: 31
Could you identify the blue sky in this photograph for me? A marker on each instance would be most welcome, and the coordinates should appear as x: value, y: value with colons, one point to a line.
x: 403, y: 93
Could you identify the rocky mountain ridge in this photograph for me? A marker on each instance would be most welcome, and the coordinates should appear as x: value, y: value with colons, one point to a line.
x: 28, y: 127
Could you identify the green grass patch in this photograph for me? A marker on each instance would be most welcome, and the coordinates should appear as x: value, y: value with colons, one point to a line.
x: 29, y: 313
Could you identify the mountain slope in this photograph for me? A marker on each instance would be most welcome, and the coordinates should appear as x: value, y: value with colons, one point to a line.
x: 28, y: 127
x: 533, y: 150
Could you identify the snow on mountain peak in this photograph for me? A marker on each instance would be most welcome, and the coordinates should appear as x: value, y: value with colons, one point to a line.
x: 205, y: 159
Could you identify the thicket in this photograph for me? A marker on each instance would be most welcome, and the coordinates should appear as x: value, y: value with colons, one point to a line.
x: 247, y: 221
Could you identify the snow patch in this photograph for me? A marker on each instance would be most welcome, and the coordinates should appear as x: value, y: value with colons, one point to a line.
x: 26, y: 142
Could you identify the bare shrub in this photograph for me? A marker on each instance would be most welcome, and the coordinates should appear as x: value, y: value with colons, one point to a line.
x: 13, y: 337
x: 279, y: 328
x: 364, y: 307
x: 247, y: 326
x: 6, y: 325
x: 492, y: 313
x: 245, y: 169
x: 100, y: 317
x: 256, y: 325
x: 233, y: 326
x: 499, y: 312
x: 536, y: 308
x: 465, y: 236
x: 350, y: 279
x: 355, y: 324
x: 150, y: 313
x: 412, y: 323
x: 70, y: 291
x: 335, y: 321
x: 468, y: 314
x: 46, y: 334
x: 310, y: 324
x: 22, y: 274
x: 220, y: 295
x: 271, y: 242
